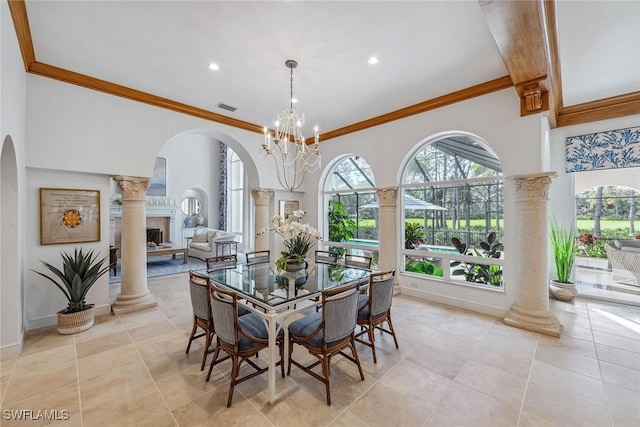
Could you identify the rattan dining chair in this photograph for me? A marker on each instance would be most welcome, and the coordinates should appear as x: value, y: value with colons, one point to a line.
x: 326, y: 257
x: 360, y: 261
x: 374, y: 309
x: 258, y: 257
x: 241, y: 337
x: 202, y: 316
x: 221, y: 261
x: 328, y: 333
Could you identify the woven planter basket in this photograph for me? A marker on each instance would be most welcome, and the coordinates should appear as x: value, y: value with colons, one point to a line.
x: 72, y: 323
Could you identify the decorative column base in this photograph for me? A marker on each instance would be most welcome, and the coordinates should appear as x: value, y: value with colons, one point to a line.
x: 129, y: 303
x: 541, y: 321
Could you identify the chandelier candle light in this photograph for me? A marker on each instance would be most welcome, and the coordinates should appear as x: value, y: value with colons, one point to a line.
x: 292, y: 162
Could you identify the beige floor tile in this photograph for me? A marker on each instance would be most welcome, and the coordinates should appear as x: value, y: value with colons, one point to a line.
x: 166, y: 419
x: 564, y: 381
x: 122, y: 360
x: 620, y: 327
x: 460, y: 345
x: 472, y: 408
x: 138, y: 319
x: 385, y: 406
x: 624, y: 405
x: 418, y: 382
x: 292, y: 410
x: 41, y: 361
x: 103, y: 325
x: 617, y: 356
x: 45, y: 339
x: 616, y: 341
x: 132, y: 402
x: 568, y: 357
x: 527, y: 419
x: 438, y: 420
x: 255, y: 420
x: 347, y: 419
x: 493, y: 382
x: 152, y: 330
x: 564, y: 409
x: 504, y: 356
x: 437, y: 360
x: 211, y: 410
x: 189, y: 384
x: 569, y: 344
x: 103, y: 343
x: 61, y: 404
x: 256, y: 389
x: 577, y: 332
x: 31, y: 384
x: 620, y: 375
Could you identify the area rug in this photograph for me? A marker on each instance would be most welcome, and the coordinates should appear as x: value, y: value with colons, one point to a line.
x: 163, y: 266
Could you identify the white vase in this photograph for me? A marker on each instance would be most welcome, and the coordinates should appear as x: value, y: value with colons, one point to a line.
x: 563, y: 291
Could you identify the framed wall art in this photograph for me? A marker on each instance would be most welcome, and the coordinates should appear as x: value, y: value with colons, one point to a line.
x: 158, y: 184
x: 288, y: 206
x: 69, y: 216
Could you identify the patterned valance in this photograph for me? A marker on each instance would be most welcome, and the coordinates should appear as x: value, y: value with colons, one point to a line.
x: 604, y: 150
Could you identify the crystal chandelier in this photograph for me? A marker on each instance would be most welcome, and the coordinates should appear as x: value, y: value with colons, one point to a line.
x: 291, y: 155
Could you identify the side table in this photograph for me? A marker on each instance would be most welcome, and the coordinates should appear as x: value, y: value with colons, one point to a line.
x: 226, y: 247
x: 188, y: 239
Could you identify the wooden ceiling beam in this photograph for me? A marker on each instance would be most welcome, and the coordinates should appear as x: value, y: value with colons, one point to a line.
x: 18, y: 10
x: 517, y: 28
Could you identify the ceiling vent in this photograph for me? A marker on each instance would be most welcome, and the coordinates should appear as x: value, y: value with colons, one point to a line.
x: 226, y: 107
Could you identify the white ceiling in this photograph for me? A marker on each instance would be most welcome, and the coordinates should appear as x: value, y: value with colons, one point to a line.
x: 426, y: 49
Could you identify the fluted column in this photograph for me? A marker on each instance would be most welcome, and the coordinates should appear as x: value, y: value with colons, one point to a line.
x: 531, y: 256
x: 387, y: 199
x: 261, y: 198
x: 134, y: 294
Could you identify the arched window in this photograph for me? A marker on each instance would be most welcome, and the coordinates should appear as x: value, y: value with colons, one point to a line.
x: 235, y: 194
x: 453, y: 211
x: 350, y: 185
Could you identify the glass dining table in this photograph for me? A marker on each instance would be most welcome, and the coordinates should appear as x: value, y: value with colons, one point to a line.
x: 275, y: 297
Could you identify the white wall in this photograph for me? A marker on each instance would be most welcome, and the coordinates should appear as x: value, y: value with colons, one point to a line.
x: 518, y: 142
x: 12, y: 127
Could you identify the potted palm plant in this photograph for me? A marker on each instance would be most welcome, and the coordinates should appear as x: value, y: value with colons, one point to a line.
x: 79, y: 273
x: 564, y: 245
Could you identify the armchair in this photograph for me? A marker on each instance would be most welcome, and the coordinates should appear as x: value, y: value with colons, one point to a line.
x: 208, y: 242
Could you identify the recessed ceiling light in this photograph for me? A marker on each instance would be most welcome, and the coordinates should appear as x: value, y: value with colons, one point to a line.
x: 373, y: 60
x: 214, y: 66
x: 294, y: 100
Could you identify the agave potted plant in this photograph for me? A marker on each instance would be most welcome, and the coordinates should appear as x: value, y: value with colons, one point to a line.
x: 564, y: 245
x: 79, y: 273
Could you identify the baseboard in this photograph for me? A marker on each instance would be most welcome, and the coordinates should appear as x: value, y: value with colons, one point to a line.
x: 10, y: 351
x: 455, y: 302
x: 52, y: 320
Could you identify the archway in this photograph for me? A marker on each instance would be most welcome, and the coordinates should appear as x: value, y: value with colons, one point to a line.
x: 11, y: 301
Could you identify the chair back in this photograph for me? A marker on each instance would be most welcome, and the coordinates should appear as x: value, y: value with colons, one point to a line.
x: 360, y: 261
x: 327, y: 257
x: 339, y: 312
x: 381, y: 292
x: 221, y: 261
x: 257, y: 257
x: 200, y: 299
x: 225, y: 315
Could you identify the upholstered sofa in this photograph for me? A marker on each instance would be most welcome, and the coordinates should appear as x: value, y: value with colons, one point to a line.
x: 623, y: 257
x: 208, y: 242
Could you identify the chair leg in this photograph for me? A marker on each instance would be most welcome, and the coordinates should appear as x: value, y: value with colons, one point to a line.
x: 393, y: 332
x: 193, y: 332
x: 290, y: 354
x: 371, y: 333
x: 213, y: 361
x: 206, y: 349
x: 281, y: 345
x: 355, y: 356
x: 234, y: 374
x: 326, y: 371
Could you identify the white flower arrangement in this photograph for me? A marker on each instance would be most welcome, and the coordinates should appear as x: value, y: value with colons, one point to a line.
x: 298, y: 238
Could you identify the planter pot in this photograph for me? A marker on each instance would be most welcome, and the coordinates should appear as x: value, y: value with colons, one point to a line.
x: 563, y: 291
x: 293, y: 266
x: 72, y: 323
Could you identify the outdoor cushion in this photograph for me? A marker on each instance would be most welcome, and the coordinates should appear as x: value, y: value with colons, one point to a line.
x: 630, y: 249
x: 633, y: 243
x: 253, y: 325
x: 305, y: 326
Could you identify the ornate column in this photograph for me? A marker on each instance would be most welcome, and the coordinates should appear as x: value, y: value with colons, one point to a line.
x: 134, y: 294
x: 531, y: 256
x: 261, y: 199
x: 387, y: 227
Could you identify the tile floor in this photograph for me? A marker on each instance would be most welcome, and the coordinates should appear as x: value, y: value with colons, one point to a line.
x: 453, y: 368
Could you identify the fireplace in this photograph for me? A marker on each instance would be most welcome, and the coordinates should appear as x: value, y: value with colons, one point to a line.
x: 154, y: 235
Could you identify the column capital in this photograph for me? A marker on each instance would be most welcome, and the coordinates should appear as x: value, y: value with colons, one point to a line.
x: 133, y: 187
x: 533, y: 186
x: 387, y: 196
x: 261, y: 196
